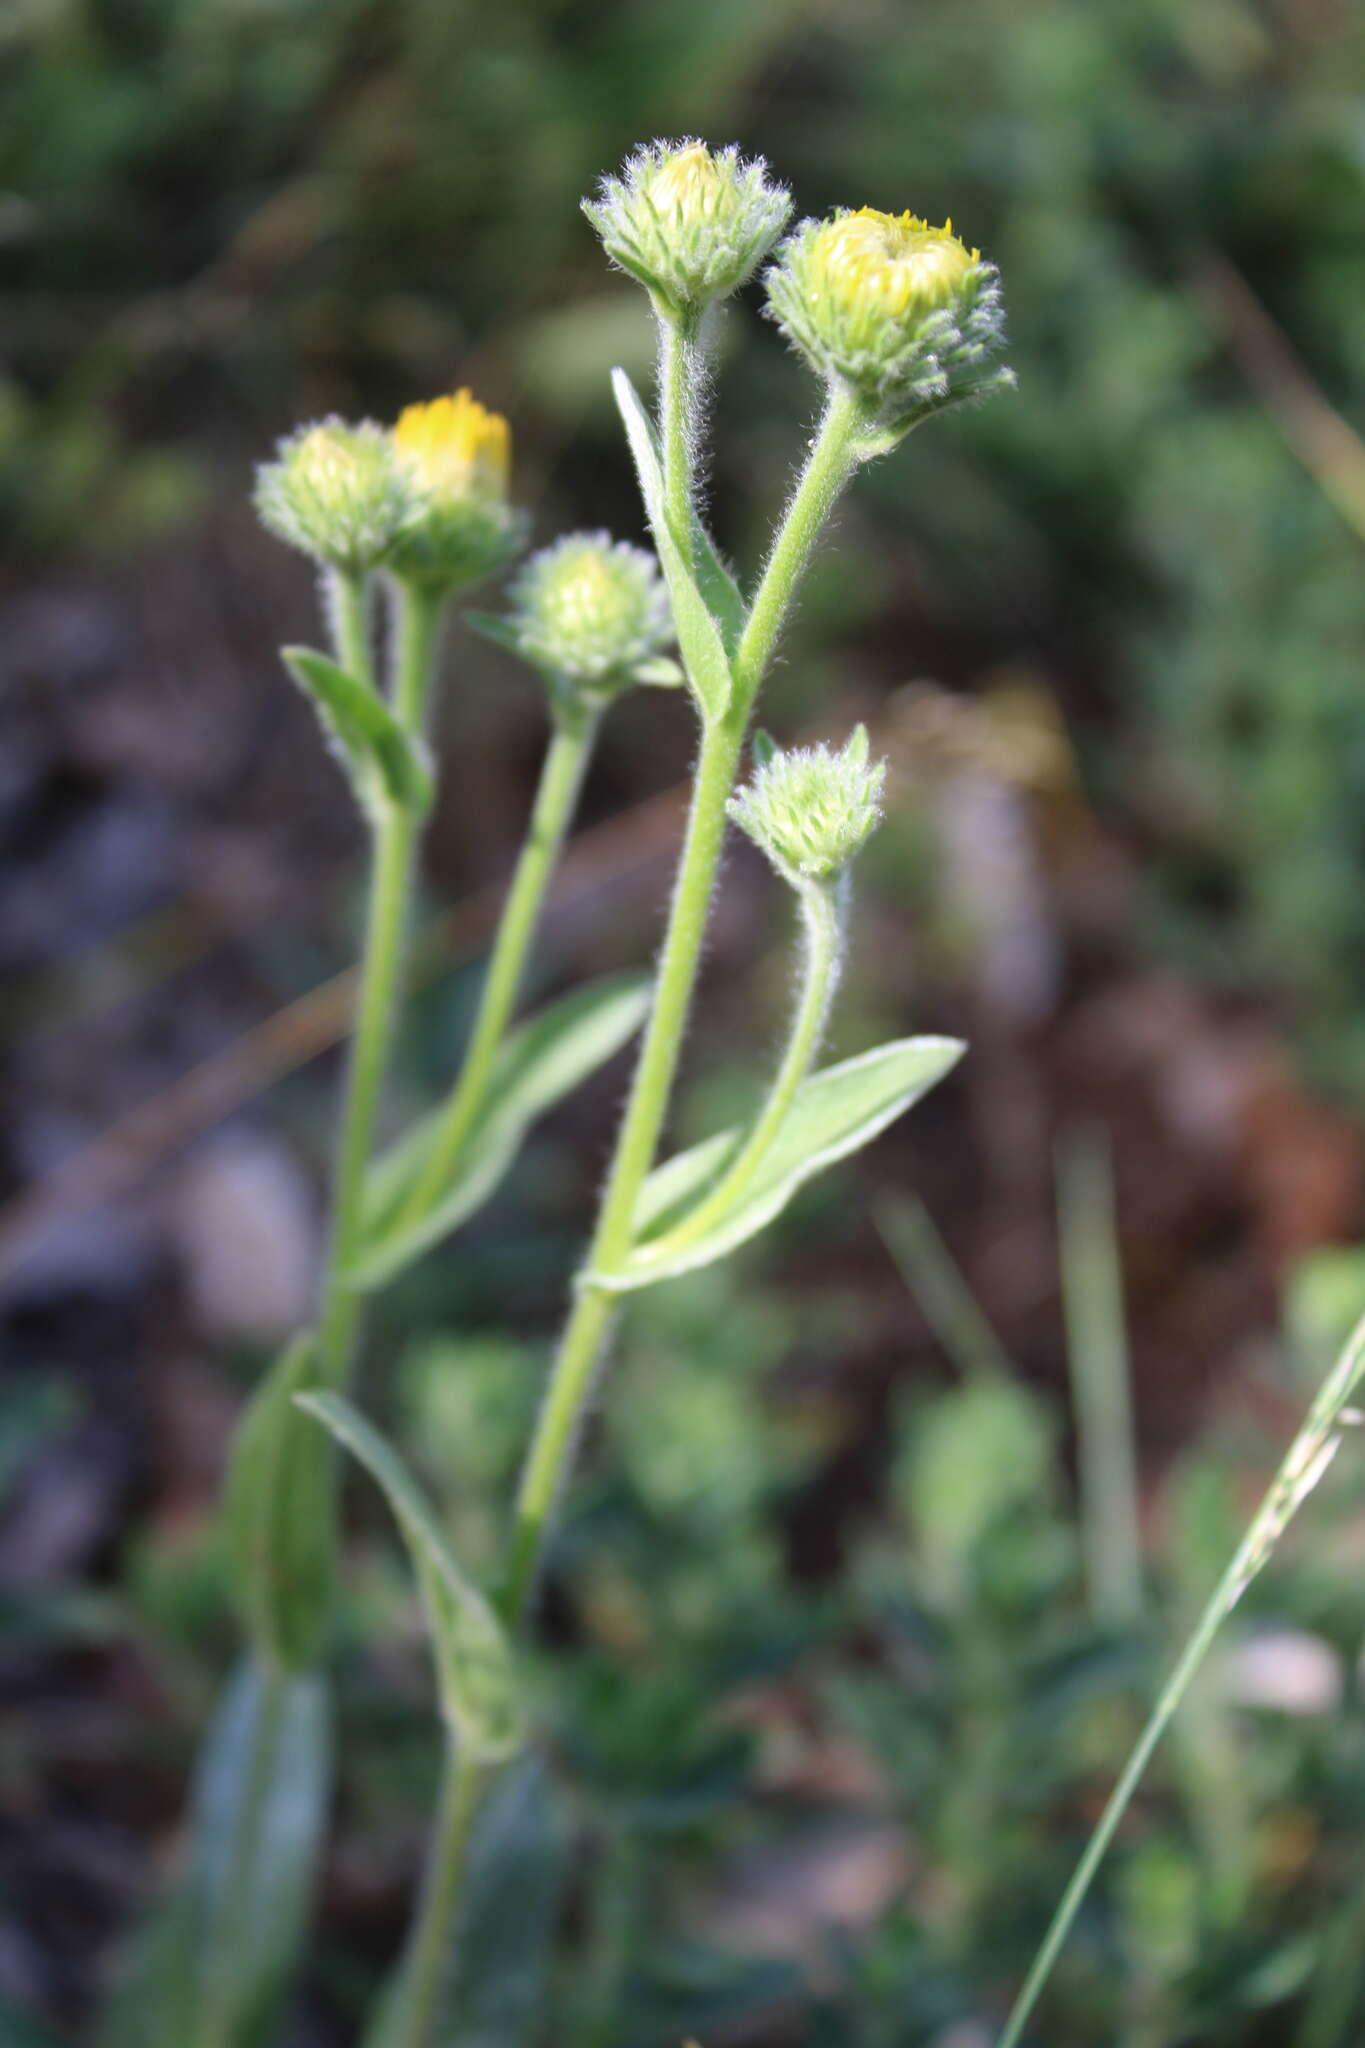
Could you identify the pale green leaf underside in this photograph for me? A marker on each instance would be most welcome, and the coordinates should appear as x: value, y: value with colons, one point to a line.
x: 277, y: 1514
x: 539, y: 1064
x: 215, y: 1959
x: 699, y: 639
x: 370, y: 740
x: 474, y: 1668
x: 834, y: 1113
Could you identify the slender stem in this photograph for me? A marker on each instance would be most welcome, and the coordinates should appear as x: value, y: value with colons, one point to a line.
x: 410, y: 2019
x: 828, y: 467
x: 390, y: 887
x: 936, y: 1282
x: 679, y: 396
x: 1097, y: 1353
x: 1307, y: 1459
x: 560, y: 780
x: 822, y: 919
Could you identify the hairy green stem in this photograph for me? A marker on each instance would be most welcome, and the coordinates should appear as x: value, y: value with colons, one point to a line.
x: 390, y: 887
x: 1307, y: 1459
x: 409, y: 2020
x: 827, y: 468
x: 822, y: 921
x: 680, y: 368
x: 560, y: 781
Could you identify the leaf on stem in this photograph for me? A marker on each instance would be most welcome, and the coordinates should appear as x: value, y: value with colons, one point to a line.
x: 279, y: 1514
x: 383, y: 761
x: 475, y: 1674
x: 215, y: 1961
x: 536, y: 1066
x: 703, y: 649
x: 833, y: 1113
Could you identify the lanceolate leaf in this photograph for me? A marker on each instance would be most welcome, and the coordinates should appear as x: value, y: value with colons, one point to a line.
x: 474, y: 1669
x: 699, y: 638
x: 279, y: 1510
x: 380, y: 758
x: 834, y: 1113
x: 214, y: 1964
x: 538, y: 1065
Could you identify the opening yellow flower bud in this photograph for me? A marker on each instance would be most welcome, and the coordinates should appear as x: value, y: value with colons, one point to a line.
x: 455, y: 448
x: 687, y: 184
x: 889, y: 263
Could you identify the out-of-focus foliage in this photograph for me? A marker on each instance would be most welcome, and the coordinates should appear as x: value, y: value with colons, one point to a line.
x: 223, y: 217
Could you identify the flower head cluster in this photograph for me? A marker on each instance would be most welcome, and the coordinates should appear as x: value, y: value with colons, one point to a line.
x: 810, y: 809
x: 454, y: 456
x: 589, y: 611
x: 335, y: 491
x: 691, y: 224
x: 903, y: 312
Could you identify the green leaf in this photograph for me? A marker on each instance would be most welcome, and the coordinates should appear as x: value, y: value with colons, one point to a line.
x: 661, y: 670
x: 280, y: 1514
x: 833, y: 1113
x: 536, y: 1066
x: 382, y: 760
x: 475, y: 1674
x: 497, y: 629
x: 703, y: 651
x: 214, y: 1962
x: 494, y: 1995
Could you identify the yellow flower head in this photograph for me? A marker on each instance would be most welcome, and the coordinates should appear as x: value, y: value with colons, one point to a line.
x: 690, y: 223
x: 889, y: 264
x: 900, y: 310
x: 687, y: 183
x: 455, y: 449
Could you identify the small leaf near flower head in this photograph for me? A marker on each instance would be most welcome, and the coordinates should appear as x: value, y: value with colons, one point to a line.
x: 335, y: 492
x: 690, y: 223
x: 455, y: 456
x: 903, y: 312
x: 810, y: 809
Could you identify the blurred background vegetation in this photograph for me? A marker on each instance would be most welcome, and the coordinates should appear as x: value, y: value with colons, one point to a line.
x: 828, y: 1709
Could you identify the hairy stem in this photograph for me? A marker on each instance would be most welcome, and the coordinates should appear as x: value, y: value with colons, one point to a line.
x: 822, y: 922
x: 560, y: 781
x: 680, y: 368
x: 827, y: 468
x: 390, y: 887
x: 1307, y: 1459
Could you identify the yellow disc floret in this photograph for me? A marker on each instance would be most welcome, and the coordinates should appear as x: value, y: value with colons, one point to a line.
x: 455, y: 449
x: 889, y: 264
x: 688, y: 183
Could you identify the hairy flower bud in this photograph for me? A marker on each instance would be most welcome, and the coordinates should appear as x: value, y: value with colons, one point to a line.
x: 692, y: 225
x: 903, y: 312
x: 455, y: 457
x: 589, y: 611
x: 810, y: 809
x: 335, y: 491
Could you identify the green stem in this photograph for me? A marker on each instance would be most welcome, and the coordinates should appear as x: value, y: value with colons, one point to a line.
x: 679, y: 404
x: 390, y: 887
x: 560, y: 781
x: 822, y: 918
x: 410, y: 2019
x: 828, y: 467
x: 1097, y: 1355
x: 1307, y: 1459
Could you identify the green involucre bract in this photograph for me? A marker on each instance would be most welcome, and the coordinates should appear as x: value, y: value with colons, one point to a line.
x: 811, y: 809
x: 336, y: 491
x: 589, y: 610
x: 691, y: 224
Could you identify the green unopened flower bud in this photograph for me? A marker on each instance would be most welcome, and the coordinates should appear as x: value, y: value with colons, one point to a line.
x: 590, y: 611
x: 335, y: 491
x: 903, y: 312
x: 691, y: 224
x: 455, y: 457
x: 810, y: 809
